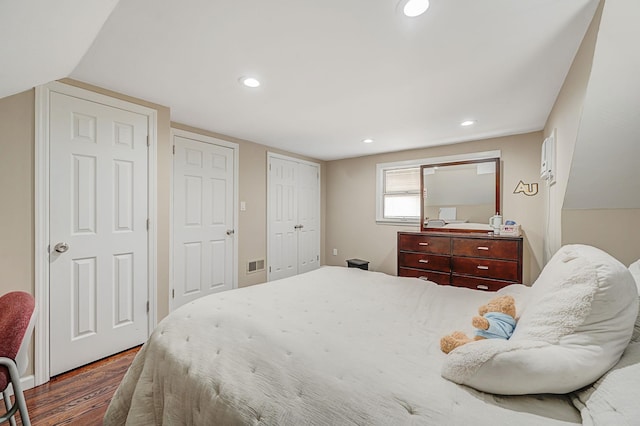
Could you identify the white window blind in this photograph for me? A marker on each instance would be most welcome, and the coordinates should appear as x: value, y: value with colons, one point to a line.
x: 401, y: 197
x: 402, y: 180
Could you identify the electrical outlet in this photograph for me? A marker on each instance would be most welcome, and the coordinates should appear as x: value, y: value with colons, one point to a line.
x: 335, y: 252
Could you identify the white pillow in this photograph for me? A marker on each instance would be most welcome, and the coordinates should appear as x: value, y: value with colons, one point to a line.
x: 577, y: 322
x: 634, y: 268
x: 613, y: 399
x: 635, y: 338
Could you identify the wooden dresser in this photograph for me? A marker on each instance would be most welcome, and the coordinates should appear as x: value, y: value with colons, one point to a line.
x: 478, y: 261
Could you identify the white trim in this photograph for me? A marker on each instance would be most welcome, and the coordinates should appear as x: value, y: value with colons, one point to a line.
x: 267, y: 265
x: 443, y: 159
x: 271, y: 155
x: 152, y: 200
x: 26, y: 382
x: 382, y: 167
x: 41, y: 213
x: 236, y: 159
x: 297, y: 160
x: 41, y: 219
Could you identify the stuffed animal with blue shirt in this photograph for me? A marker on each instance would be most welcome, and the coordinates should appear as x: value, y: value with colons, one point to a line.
x: 497, y: 320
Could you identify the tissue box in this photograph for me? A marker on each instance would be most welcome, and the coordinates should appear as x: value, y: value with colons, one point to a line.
x: 510, y: 230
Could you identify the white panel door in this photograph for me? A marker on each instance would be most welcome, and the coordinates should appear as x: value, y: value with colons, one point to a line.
x: 98, y: 231
x: 203, y: 219
x: 308, y: 220
x: 283, y: 200
x: 294, y: 210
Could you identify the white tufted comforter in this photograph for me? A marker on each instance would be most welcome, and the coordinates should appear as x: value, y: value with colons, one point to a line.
x: 336, y: 346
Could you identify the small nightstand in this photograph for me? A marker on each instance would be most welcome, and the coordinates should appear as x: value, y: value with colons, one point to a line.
x: 358, y: 263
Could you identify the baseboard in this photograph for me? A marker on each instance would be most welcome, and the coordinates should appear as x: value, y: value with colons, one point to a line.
x: 27, y: 382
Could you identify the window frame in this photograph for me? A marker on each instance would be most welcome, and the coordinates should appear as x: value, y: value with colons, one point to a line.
x: 381, y: 168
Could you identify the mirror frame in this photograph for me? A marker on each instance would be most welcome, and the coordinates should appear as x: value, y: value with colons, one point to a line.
x: 495, y: 160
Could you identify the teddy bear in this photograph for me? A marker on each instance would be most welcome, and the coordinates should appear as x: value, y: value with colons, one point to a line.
x: 497, y: 320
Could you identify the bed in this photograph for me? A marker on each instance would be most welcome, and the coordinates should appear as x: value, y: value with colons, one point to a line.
x: 336, y: 346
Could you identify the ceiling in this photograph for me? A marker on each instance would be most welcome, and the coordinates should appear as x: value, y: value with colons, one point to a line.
x: 333, y: 72
x: 604, y: 169
x: 42, y: 40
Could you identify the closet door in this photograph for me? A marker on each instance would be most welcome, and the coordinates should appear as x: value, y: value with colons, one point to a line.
x: 293, y: 216
x: 308, y: 217
x: 283, y: 252
x: 204, y: 217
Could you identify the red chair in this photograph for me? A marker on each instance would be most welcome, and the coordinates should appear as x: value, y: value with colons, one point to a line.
x: 17, y: 319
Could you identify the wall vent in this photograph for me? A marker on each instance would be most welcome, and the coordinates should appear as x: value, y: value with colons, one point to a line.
x: 255, y: 266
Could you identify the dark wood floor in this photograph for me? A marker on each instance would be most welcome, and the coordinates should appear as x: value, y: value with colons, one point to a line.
x: 81, y: 396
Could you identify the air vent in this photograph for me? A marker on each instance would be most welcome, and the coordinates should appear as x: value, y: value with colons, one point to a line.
x: 255, y: 266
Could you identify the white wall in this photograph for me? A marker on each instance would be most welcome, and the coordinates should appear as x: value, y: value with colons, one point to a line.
x: 565, y: 119
x: 596, y: 198
x: 607, y: 150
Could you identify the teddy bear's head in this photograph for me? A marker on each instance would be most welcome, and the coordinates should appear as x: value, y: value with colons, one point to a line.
x: 504, y: 304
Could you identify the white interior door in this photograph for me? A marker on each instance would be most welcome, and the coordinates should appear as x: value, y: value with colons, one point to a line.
x: 98, y: 231
x: 203, y: 218
x: 283, y: 200
x: 294, y: 217
x: 308, y: 220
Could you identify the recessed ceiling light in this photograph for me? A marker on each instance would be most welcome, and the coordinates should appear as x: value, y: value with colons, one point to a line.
x: 249, y: 82
x: 468, y: 122
x: 413, y: 8
x: 367, y: 140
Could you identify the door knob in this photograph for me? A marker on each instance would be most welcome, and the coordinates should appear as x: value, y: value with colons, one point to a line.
x: 230, y: 232
x: 61, y: 247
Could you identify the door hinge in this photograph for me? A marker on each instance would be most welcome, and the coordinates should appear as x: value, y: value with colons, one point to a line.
x: 269, y: 166
x: 318, y: 257
x: 173, y: 293
x: 174, y: 150
x: 147, y: 306
x: 148, y: 143
x: 269, y: 269
x: 148, y: 224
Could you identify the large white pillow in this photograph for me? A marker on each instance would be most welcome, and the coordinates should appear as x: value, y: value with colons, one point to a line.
x: 613, y: 399
x: 634, y: 268
x: 576, y: 324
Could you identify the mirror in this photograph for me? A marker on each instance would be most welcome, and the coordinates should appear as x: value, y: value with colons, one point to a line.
x: 460, y: 196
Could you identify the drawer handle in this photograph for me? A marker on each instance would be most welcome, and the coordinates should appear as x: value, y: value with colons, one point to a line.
x: 483, y: 248
x: 423, y: 261
x: 482, y: 287
x: 423, y: 244
x: 484, y: 268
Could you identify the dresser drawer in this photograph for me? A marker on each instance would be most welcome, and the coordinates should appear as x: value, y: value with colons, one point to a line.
x: 441, y: 278
x: 424, y: 243
x: 425, y: 261
x: 478, y: 283
x: 491, y: 248
x: 488, y: 268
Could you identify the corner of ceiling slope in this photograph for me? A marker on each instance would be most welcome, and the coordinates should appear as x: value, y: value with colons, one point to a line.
x: 604, y: 170
x: 48, y: 39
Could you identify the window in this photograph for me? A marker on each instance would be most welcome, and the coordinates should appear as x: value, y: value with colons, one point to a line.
x: 401, y: 197
x: 398, y: 187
